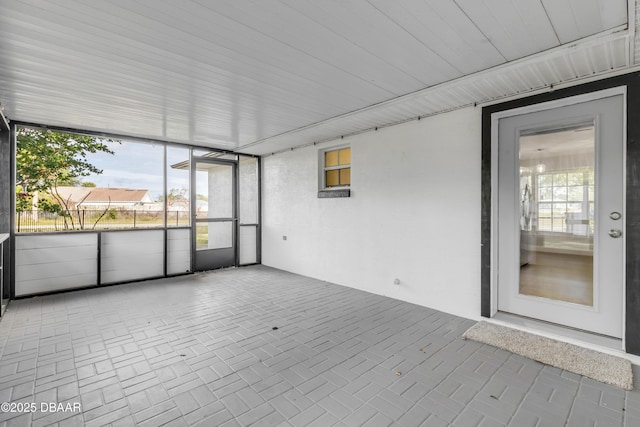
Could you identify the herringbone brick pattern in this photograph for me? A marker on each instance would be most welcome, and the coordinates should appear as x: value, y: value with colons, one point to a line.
x: 259, y: 346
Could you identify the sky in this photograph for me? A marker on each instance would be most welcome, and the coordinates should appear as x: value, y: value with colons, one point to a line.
x: 138, y: 166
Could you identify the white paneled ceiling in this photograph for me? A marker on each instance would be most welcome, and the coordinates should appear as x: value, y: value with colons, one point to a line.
x: 262, y: 76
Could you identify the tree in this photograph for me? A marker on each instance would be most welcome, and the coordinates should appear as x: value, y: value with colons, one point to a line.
x: 177, y: 194
x: 174, y: 194
x: 47, y: 159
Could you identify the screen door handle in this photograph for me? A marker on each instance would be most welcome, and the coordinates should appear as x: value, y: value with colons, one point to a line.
x: 615, y: 233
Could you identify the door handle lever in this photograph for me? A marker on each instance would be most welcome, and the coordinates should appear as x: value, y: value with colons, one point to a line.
x: 615, y: 233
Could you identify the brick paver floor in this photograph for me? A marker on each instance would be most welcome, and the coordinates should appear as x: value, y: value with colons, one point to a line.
x: 259, y: 346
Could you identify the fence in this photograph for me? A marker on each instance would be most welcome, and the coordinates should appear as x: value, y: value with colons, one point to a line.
x: 83, y: 219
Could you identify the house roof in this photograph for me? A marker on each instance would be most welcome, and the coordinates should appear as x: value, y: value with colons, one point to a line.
x: 104, y: 195
x: 73, y: 194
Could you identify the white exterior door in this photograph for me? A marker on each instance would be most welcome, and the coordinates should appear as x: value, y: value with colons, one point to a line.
x: 560, y: 211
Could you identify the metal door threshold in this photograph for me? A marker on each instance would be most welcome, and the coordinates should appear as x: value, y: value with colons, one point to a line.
x: 560, y: 331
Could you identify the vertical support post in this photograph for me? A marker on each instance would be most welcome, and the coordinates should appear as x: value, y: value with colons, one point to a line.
x: 192, y: 207
x: 236, y: 211
x: 2, y: 308
x: 259, y: 230
x: 6, y: 203
x: 99, y: 258
x: 165, y: 213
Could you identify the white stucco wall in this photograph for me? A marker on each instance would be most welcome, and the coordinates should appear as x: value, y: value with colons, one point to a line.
x: 413, y: 214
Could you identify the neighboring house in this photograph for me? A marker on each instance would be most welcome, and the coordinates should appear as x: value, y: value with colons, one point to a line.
x: 96, y: 198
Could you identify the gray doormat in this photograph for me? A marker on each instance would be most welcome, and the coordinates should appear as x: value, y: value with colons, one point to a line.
x: 590, y: 363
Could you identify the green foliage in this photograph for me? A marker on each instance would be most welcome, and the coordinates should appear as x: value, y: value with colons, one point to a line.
x: 174, y: 194
x: 47, y: 159
x: 70, y: 181
x: 24, y: 200
x: 51, y: 205
x: 87, y: 184
x: 177, y: 194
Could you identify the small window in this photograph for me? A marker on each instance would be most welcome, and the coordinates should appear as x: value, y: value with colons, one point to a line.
x: 337, y: 168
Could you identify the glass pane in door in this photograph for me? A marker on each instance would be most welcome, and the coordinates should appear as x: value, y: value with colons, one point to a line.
x: 214, y: 230
x: 556, y: 198
x: 214, y: 190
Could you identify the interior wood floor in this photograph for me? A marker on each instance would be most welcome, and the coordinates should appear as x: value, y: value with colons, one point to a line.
x: 561, y: 277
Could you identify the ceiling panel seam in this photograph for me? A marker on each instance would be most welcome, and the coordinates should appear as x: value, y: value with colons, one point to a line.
x: 564, y: 53
x: 480, y: 30
x: 412, y: 35
x: 546, y: 12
